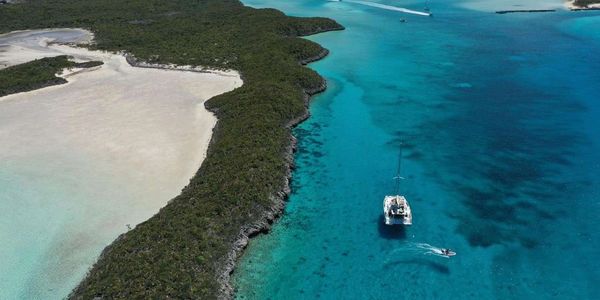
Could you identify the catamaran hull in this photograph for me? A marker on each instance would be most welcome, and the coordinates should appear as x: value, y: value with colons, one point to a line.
x: 393, y: 221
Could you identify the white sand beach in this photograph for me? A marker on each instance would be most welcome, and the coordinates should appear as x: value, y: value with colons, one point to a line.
x: 80, y: 161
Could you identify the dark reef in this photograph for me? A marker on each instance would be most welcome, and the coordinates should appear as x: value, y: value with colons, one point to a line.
x: 524, y: 11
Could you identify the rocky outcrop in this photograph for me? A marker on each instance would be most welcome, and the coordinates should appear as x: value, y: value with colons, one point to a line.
x: 321, y: 55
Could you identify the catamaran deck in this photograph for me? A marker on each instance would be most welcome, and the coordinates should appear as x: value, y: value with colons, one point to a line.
x: 396, y: 210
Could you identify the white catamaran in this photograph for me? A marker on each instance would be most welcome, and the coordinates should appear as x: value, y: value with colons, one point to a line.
x: 396, y: 210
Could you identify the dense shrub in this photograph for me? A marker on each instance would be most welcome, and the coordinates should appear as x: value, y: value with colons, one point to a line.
x: 37, y: 74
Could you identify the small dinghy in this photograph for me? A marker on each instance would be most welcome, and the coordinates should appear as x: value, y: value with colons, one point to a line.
x: 445, y: 252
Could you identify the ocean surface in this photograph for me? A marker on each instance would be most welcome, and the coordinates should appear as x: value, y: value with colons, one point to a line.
x: 497, y: 119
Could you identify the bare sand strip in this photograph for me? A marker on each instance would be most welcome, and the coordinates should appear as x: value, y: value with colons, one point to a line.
x: 86, y: 158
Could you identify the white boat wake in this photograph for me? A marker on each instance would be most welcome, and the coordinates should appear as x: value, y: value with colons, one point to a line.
x: 422, y: 249
x: 431, y: 250
x: 389, y: 7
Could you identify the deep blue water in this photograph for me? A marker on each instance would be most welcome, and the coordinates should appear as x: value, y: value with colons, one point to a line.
x: 499, y: 119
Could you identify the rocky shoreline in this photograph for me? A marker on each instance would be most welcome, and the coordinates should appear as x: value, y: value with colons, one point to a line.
x: 321, y: 55
x: 268, y: 217
x: 265, y: 221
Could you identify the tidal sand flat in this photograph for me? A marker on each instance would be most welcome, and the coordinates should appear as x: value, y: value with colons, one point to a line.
x: 82, y: 162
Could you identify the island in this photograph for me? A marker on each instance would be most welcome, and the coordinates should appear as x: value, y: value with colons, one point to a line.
x: 576, y: 5
x: 189, y: 248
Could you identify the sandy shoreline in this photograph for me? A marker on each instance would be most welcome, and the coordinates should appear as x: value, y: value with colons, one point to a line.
x: 107, y: 149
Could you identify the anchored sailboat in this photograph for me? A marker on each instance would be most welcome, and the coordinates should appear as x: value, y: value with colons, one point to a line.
x: 396, y: 210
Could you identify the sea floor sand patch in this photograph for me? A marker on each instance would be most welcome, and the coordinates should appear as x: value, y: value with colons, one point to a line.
x: 82, y: 161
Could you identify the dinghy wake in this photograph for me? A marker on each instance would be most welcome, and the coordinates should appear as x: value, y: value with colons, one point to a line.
x: 388, y: 7
x: 431, y: 250
x: 421, y: 249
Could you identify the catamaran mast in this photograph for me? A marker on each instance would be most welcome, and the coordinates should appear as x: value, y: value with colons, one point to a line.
x: 398, y: 177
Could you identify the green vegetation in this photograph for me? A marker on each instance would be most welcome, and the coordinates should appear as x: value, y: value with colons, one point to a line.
x: 585, y: 3
x: 37, y: 74
x: 179, y: 252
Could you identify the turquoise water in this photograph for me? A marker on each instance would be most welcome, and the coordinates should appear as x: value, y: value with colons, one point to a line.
x: 498, y: 117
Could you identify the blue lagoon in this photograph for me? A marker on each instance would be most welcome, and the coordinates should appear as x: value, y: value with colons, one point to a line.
x: 497, y: 117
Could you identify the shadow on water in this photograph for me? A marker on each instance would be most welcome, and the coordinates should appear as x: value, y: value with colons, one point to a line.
x: 390, y: 232
x: 435, y: 266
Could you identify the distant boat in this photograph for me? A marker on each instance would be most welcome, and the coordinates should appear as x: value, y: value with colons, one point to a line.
x: 396, y: 209
x: 426, y: 9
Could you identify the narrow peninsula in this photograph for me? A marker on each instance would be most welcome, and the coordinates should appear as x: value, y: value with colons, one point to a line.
x: 38, y: 74
x: 187, y: 250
